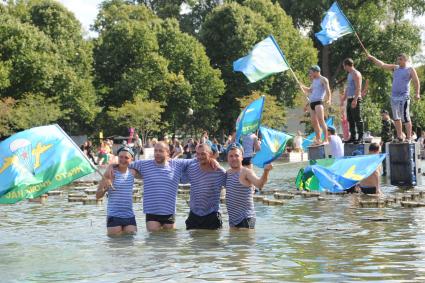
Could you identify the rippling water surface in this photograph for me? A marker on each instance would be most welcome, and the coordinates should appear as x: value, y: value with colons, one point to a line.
x: 305, y: 240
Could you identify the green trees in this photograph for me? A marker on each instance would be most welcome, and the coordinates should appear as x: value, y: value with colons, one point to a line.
x: 137, y: 53
x: 230, y: 31
x: 43, y: 52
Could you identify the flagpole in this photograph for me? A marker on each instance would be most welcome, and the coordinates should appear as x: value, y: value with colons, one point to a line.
x: 361, y: 43
x: 298, y: 82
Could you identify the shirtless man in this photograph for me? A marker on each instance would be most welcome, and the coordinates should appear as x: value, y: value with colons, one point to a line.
x: 371, y: 184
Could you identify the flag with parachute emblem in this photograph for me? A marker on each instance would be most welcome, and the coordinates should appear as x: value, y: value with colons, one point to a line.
x: 273, y: 144
x: 265, y: 59
x: 35, y: 161
x: 334, y: 25
x: 339, y: 174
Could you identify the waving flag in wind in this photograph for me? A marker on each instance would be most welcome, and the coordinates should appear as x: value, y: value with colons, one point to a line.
x: 250, y: 118
x: 273, y: 144
x: 265, y: 59
x: 38, y: 160
x: 341, y: 174
x: 334, y: 25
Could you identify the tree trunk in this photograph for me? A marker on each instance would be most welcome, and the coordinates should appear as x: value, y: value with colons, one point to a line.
x: 325, y: 62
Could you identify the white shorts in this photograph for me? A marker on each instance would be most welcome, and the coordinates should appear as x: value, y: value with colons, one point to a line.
x: 401, y: 110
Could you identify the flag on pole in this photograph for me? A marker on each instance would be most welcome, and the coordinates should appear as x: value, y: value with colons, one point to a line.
x: 273, y: 144
x: 344, y: 172
x: 265, y: 59
x: 250, y: 118
x: 38, y: 160
x: 310, y: 138
x: 334, y: 25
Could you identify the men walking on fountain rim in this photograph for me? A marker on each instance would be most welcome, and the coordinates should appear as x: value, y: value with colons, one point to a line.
x: 400, y: 94
x: 206, y: 183
x: 371, y: 184
x: 318, y: 93
x: 352, y: 94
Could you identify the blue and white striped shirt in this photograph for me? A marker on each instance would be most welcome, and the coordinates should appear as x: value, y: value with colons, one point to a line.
x: 248, y: 145
x: 160, y: 184
x: 205, y: 188
x: 239, y: 199
x: 120, y: 200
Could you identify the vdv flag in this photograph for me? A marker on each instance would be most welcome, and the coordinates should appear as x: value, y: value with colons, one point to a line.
x: 273, y: 144
x: 265, y: 59
x: 334, y: 25
x: 250, y: 118
x: 345, y: 172
x: 38, y: 160
x: 310, y: 138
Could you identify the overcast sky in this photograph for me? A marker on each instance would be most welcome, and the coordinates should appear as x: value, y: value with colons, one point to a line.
x: 86, y: 11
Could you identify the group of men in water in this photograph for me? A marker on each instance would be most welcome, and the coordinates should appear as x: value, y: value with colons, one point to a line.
x: 161, y: 177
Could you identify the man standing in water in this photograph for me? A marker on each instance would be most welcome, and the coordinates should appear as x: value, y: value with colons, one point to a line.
x: 400, y: 94
x: 205, y: 188
x: 240, y: 183
x: 318, y: 92
x: 353, y: 96
x: 371, y: 184
x: 161, y: 177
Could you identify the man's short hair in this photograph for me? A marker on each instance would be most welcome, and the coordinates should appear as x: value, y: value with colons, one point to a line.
x: 374, y: 147
x: 404, y: 55
x: 348, y: 62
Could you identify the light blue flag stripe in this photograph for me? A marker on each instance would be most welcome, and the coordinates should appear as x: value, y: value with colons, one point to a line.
x: 250, y: 118
x: 346, y: 172
x: 310, y: 138
x: 273, y: 144
x: 265, y: 59
x: 334, y: 25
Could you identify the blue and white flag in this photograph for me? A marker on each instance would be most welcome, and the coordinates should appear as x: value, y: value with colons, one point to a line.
x: 250, y: 118
x: 334, y: 25
x: 265, y: 59
x: 273, y: 144
x: 345, y: 172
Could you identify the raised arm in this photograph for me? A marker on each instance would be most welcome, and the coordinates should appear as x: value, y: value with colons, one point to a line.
x: 259, y: 182
x: 416, y: 83
x: 379, y: 63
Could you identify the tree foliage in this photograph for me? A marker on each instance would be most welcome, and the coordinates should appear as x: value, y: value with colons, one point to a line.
x: 230, y: 31
x: 143, y: 115
x: 274, y: 115
x: 43, y: 51
x: 138, y: 53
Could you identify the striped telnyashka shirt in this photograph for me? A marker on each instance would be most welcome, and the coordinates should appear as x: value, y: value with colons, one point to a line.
x: 239, y: 199
x: 160, y: 184
x: 120, y: 199
x: 205, y: 188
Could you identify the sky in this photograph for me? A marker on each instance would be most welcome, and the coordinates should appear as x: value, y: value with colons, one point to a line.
x: 86, y: 11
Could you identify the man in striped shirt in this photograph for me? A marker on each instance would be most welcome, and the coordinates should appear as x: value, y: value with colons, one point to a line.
x: 205, y: 187
x: 161, y: 180
x: 240, y: 183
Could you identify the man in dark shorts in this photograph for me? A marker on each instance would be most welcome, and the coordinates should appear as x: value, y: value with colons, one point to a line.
x: 318, y: 93
x: 206, y: 183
